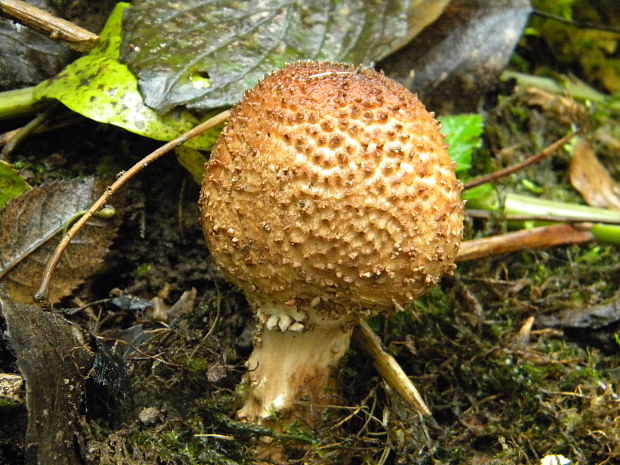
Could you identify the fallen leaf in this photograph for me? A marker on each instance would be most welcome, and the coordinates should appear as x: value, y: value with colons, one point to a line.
x: 458, y: 58
x: 563, y: 109
x: 30, y: 228
x: 53, y: 361
x: 27, y: 56
x: 595, y: 317
x: 102, y: 88
x: 592, y: 179
x: 204, y: 55
x: 107, y: 386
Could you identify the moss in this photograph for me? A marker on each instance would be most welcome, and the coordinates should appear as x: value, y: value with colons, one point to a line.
x: 590, y: 52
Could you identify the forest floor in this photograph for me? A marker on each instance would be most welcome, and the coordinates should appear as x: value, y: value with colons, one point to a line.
x: 168, y: 336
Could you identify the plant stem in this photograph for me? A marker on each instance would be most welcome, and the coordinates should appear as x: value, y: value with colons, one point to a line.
x: 18, y: 102
x: 516, y: 204
x: 607, y: 231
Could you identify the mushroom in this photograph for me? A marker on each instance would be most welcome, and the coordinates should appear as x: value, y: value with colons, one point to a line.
x: 329, y: 198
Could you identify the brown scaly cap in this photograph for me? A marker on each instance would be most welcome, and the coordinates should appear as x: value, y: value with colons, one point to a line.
x: 331, y: 187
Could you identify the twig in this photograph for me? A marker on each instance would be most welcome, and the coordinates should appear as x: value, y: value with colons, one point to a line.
x: 6, y: 137
x: 519, y: 166
x: 111, y: 190
x: 544, y: 236
x: 75, y: 36
x: 577, y: 24
x: 24, y: 132
x: 388, y: 367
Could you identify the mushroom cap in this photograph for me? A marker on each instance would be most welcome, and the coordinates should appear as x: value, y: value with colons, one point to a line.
x: 331, y: 187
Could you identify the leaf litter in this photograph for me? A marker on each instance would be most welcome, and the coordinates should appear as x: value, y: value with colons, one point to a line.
x: 492, y: 402
x: 591, y: 178
x: 32, y: 225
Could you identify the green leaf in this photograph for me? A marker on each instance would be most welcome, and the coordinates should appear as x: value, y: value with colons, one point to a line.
x: 463, y: 134
x: 101, y: 88
x: 11, y: 184
x: 482, y: 197
x: 204, y: 54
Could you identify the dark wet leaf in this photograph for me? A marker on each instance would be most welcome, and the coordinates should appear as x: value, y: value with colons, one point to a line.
x: 30, y: 228
x: 53, y: 360
x: 107, y: 387
x: 204, y: 54
x: 453, y: 63
x: 131, y: 303
x: 595, y: 317
x: 26, y: 56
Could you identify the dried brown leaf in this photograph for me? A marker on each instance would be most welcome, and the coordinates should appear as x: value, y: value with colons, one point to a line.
x: 30, y: 228
x: 592, y: 179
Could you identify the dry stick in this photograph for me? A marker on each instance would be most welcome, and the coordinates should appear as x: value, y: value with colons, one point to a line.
x: 24, y: 132
x: 535, y: 238
x: 76, y: 37
x: 519, y: 166
x: 111, y: 190
x: 388, y: 367
x: 6, y: 137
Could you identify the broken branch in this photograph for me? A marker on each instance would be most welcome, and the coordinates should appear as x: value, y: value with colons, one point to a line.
x: 57, y: 28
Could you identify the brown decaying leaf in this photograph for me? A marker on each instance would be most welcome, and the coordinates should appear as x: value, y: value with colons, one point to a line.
x: 29, y: 231
x: 53, y: 362
x: 591, y: 179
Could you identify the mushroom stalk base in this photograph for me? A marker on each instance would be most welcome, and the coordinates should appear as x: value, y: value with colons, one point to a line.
x: 291, y: 375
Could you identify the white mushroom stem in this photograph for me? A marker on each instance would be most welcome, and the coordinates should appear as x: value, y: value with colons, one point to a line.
x: 291, y: 374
